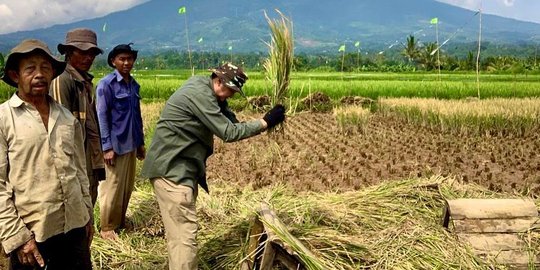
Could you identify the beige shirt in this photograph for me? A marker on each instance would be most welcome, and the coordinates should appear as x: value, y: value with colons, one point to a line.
x: 43, y: 181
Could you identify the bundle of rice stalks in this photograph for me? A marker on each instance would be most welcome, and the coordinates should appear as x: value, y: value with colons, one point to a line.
x: 279, y: 64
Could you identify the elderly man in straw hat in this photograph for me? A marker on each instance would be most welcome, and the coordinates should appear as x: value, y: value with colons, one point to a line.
x: 45, y: 205
x: 74, y: 90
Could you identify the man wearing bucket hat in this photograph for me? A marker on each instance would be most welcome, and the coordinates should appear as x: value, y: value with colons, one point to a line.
x: 74, y: 89
x: 122, y: 138
x: 182, y: 142
x: 45, y: 205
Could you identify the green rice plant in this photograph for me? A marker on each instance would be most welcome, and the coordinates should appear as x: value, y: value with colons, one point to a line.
x: 279, y: 64
x: 352, y: 119
x: 160, y: 84
x: 493, y: 117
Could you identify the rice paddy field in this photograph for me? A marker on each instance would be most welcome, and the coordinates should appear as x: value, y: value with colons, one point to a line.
x: 159, y: 85
x: 359, y: 174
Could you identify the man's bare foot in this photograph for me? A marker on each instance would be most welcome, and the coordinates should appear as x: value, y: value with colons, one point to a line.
x: 109, y: 235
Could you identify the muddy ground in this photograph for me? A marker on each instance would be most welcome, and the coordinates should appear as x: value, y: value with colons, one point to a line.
x: 313, y: 155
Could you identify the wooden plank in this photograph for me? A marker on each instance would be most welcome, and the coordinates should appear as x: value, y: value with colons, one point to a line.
x: 256, y: 237
x: 491, y: 208
x: 514, y: 258
x: 286, y: 259
x: 493, y: 242
x: 494, y: 225
x: 268, y: 256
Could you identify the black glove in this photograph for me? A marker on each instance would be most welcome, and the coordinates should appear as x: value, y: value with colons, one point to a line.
x: 275, y: 116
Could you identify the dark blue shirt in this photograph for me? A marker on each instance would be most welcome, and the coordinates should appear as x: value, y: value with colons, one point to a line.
x: 119, y: 114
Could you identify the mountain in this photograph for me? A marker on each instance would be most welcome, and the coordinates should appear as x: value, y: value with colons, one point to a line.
x: 319, y: 26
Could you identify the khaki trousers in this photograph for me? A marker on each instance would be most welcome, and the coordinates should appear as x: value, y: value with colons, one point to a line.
x: 178, y: 211
x: 115, y: 192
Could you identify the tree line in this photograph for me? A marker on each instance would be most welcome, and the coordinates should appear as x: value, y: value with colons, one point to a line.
x: 409, y: 57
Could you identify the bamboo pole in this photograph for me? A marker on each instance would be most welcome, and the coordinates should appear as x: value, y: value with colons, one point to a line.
x: 478, y: 54
x: 188, y: 47
x: 438, y: 51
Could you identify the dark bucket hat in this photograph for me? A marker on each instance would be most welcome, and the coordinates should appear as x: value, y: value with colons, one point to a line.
x: 233, y: 76
x: 81, y: 38
x: 122, y: 48
x: 25, y: 47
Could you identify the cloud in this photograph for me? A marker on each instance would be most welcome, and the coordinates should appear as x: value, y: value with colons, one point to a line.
x: 525, y: 10
x: 5, y: 10
x: 34, y: 14
x: 509, y: 3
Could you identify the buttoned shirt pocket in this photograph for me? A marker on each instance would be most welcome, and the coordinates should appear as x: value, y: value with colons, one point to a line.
x: 66, y: 135
x: 121, y: 101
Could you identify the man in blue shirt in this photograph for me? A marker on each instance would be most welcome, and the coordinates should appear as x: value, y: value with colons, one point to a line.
x: 122, y: 138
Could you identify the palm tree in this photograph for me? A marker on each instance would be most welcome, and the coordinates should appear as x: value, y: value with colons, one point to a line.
x: 426, y: 58
x: 499, y: 63
x: 411, y: 50
x: 470, y: 62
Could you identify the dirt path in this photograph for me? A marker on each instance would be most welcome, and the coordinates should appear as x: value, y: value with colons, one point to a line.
x: 313, y: 155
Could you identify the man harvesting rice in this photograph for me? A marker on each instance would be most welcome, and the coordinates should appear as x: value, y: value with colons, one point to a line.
x: 183, y: 140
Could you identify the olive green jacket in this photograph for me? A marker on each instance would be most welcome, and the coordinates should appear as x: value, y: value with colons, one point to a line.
x: 183, y: 138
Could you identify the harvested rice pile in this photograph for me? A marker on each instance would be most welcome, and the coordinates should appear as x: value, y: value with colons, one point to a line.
x: 394, y: 225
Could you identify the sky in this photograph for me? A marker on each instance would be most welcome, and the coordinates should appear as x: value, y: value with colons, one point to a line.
x: 19, y: 15
x: 525, y: 10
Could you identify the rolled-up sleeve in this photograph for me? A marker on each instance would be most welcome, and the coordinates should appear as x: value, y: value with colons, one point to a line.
x: 13, y: 231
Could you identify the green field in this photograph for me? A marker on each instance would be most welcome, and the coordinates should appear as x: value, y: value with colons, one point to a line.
x: 159, y: 85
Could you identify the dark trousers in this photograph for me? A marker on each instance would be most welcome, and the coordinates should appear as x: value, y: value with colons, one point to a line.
x: 68, y: 251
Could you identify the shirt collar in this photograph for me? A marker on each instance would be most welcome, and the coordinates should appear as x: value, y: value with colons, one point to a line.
x: 15, y: 101
x: 119, y: 77
x: 78, y: 75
